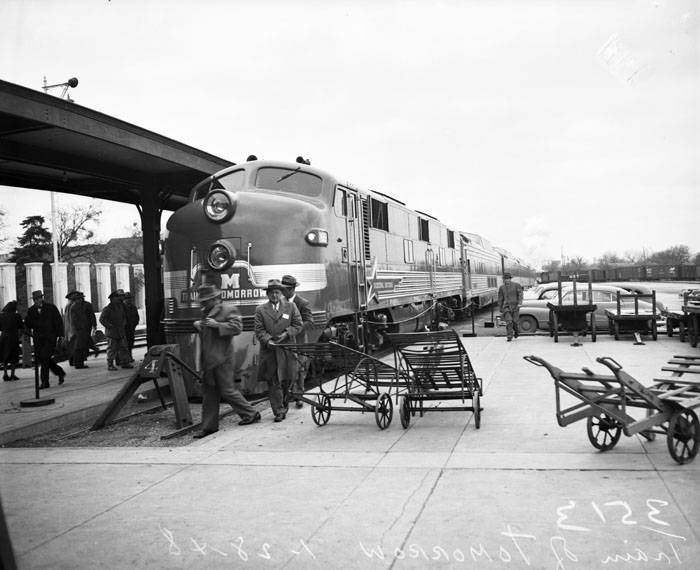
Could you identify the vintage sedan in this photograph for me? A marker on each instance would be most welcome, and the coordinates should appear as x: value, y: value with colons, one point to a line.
x: 534, y: 314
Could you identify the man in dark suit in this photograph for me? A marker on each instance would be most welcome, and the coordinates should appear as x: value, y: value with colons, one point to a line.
x: 301, y: 365
x: 219, y: 324
x: 276, y: 322
x: 45, y: 325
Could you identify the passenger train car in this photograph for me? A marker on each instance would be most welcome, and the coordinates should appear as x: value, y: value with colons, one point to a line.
x: 366, y: 262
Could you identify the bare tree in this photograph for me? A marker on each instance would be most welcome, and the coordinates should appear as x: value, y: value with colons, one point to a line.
x: 674, y: 255
x: 73, y: 225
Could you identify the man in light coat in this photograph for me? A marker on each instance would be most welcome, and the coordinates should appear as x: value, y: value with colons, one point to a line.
x: 277, y: 322
x: 219, y: 324
x: 510, y: 297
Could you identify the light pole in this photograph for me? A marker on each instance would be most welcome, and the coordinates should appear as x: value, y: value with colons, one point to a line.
x: 72, y: 82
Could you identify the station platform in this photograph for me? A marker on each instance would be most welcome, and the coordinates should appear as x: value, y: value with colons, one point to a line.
x: 520, y: 492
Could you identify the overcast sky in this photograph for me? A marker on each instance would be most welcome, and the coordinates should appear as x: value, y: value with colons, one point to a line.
x: 542, y: 125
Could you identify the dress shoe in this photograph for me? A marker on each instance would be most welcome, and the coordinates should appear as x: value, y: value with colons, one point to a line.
x: 13, y: 377
x: 299, y: 404
x: 61, y: 379
x: 250, y: 419
x: 111, y: 367
x: 6, y: 378
x: 127, y: 366
x: 280, y: 417
x: 44, y: 385
x: 509, y: 339
x: 203, y: 433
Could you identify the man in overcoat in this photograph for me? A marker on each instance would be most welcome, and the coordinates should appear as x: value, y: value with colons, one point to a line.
x: 301, y: 362
x: 80, y: 324
x: 132, y: 319
x: 277, y: 322
x: 219, y: 324
x: 45, y: 325
x: 113, y: 318
x: 510, y: 297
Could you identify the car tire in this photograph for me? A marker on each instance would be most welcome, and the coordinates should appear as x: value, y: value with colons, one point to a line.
x: 527, y: 324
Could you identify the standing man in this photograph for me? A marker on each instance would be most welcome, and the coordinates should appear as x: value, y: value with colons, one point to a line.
x: 276, y: 322
x: 113, y: 318
x: 219, y: 324
x: 510, y: 297
x: 132, y: 319
x: 45, y: 325
x: 80, y: 324
x: 302, y: 363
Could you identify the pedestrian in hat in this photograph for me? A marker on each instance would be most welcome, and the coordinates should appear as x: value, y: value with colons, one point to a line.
x: 132, y: 319
x: 79, y: 323
x: 277, y: 322
x: 11, y: 325
x: 113, y: 318
x: 219, y: 324
x: 45, y: 325
x: 301, y: 366
x: 510, y: 297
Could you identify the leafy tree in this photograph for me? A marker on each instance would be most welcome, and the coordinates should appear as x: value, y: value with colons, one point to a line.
x: 3, y: 237
x: 674, y: 255
x: 34, y: 243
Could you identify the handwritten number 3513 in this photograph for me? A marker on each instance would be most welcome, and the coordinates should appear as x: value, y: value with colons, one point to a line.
x: 625, y: 518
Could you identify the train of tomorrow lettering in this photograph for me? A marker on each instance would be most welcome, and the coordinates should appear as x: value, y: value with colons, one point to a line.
x: 367, y: 263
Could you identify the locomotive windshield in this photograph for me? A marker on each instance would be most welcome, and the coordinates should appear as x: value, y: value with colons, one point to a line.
x: 233, y: 181
x: 289, y: 180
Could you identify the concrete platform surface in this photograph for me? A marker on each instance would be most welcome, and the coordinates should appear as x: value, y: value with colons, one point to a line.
x: 520, y: 492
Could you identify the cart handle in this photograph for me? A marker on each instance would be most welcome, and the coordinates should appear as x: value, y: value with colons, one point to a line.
x: 536, y: 360
x: 609, y: 362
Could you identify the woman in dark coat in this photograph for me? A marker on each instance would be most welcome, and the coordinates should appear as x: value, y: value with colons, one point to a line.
x: 10, y: 327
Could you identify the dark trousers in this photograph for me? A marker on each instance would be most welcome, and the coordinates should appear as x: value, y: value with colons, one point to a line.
x: 219, y: 386
x: 511, y: 316
x: 45, y: 348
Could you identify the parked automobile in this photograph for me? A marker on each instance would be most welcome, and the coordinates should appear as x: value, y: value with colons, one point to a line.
x: 534, y: 313
x: 549, y: 291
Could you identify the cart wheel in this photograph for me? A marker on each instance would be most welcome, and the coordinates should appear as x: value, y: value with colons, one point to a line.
x: 383, y: 411
x: 683, y: 436
x: 476, y: 404
x: 603, y: 431
x: 405, y: 412
x: 321, y: 412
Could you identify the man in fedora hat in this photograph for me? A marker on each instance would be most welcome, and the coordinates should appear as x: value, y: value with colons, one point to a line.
x: 510, y: 297
x: 113, y: 318
x: 301, y: 365
x: 219, y: 324
x: 276, y: 322
x: 79, y: 321
x: 45, y: 325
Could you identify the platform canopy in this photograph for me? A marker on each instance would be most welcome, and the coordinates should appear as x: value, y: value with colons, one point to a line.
x: 48, y: 143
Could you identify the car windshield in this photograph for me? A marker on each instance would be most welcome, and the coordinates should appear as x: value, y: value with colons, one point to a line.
x: 292, y: 180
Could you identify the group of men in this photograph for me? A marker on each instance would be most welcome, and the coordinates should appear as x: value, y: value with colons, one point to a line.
x: 285, y: 318
x: 74, y: 333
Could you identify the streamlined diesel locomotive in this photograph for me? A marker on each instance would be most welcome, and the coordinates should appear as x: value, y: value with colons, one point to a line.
x: 366, y: 262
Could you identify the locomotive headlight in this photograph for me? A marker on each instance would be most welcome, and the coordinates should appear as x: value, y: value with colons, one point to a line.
x: 221, y: 256
x: 220, y: 205
x: 317, y: 237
